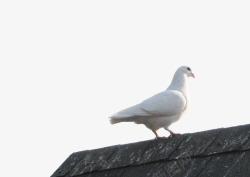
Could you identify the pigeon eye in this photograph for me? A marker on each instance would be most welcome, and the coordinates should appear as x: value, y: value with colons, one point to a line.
x: 189, y: 69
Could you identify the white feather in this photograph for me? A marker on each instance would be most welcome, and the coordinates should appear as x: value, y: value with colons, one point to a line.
x: 162, y: 109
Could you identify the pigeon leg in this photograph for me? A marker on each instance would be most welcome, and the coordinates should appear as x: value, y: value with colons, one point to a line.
x: 157, y: 136
x: 171, y: 132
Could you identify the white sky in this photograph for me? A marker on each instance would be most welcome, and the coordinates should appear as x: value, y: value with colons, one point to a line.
x: 66, y: 66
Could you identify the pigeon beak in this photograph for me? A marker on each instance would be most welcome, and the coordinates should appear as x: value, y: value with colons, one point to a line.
x: 193, y: 75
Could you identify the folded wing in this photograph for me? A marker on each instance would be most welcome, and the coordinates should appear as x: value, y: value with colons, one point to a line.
x: 166, y: 103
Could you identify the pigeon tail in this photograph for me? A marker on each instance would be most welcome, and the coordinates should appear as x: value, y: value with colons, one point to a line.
x: 118, y: 119
x: 114, y: 120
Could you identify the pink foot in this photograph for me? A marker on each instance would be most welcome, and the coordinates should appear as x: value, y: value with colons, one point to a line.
x: 161, y: 137
x: 173, y: 134
x: 158, y: 137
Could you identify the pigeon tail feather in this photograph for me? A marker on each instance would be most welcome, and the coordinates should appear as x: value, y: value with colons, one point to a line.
x: 115, y: 120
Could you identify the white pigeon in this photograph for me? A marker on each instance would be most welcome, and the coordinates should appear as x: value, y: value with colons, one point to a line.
x: 162, y: 109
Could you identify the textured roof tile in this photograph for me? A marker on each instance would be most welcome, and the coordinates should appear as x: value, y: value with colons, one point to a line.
x: 220, y: 152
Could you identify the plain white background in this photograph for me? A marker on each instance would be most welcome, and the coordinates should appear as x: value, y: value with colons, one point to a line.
x: 66, y: 66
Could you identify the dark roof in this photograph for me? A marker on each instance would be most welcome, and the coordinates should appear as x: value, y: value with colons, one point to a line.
x: 219, y: 152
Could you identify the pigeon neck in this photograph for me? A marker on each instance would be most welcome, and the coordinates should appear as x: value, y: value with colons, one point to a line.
x: 179, y: 83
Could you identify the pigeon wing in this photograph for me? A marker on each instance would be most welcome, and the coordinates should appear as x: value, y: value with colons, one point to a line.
x: 167, y: 103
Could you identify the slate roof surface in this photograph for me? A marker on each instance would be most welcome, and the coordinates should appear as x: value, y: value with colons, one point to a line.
x: 223, y: 152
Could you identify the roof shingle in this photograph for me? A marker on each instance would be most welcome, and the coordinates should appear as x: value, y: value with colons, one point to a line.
x: 219, y: 152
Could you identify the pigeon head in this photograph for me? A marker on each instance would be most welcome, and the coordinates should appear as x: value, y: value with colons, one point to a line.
x: 187, y: 71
